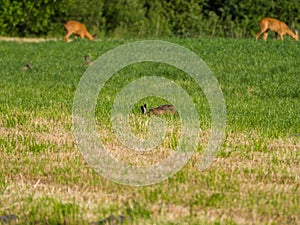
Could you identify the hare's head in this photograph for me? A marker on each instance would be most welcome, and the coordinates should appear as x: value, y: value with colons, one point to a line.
x: 28, y: 65
x: 144, y: 109
x: 297, y: 36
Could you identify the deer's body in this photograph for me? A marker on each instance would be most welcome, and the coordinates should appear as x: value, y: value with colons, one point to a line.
x: 280, y: 28
x: 74, y: 27
x: 164, y: 109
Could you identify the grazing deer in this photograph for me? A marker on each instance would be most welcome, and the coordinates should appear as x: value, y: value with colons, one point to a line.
x: 79, y: 29
x: 280, y: 28
x: 164, y: 109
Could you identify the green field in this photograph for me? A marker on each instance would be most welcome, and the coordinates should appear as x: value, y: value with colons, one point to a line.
x: 254, y: 179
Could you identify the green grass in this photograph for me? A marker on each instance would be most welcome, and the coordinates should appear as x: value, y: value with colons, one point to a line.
x: 254, y: 178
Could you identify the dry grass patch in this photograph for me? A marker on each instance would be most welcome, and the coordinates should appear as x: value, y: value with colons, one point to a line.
x: 27, y: 40
x: 253, y: 180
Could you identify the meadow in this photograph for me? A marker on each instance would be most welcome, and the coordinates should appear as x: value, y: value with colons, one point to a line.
x: 254, y: 179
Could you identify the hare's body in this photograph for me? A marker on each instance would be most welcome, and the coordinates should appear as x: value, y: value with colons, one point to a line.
x: 74, y: 27
x: 164, y: 109
x: 26, y: 67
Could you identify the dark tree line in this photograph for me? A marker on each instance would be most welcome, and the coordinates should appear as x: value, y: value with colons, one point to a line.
x: 145, y: 18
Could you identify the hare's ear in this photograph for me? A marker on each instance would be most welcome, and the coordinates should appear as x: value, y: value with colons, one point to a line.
x: 28, y: 65
x: 144, y: 109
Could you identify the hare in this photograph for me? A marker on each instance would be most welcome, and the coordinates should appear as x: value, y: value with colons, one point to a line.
x: 88, y: 61
x: 164, y: 109
x: 26, y: 67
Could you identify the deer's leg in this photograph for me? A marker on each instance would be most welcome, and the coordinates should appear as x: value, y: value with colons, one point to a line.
x: 257, y: 35
x: 281, y: 36
x: 265, y: 36
x: 81, y: 34
x: 66, y: 38
x: 262, y: 30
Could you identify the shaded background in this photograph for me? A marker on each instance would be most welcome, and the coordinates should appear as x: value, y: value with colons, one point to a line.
x: 145, y: 18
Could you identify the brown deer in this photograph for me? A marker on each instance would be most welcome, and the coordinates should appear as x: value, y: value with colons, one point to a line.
x: 79, y: 29
x: 164, y: 109
x: 280, y: 28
